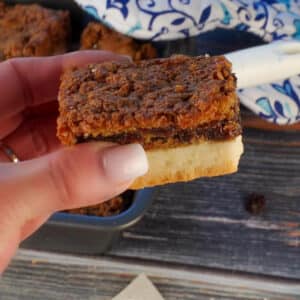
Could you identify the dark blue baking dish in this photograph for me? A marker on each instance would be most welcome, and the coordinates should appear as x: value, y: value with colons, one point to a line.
x: 82, y: 234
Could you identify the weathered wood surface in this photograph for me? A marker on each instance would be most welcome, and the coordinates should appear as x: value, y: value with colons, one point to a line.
x: 36, y: 276
x: 204, y: 222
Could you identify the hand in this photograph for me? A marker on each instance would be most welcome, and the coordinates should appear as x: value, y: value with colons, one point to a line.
x: 51, y: 178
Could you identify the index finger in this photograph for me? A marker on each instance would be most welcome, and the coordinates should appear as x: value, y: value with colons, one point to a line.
x: 26, y: 82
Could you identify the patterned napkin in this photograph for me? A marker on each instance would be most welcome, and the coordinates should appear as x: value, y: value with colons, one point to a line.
x: 158, y: 20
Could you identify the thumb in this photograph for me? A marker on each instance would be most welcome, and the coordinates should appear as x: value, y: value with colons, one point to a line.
x: 72, y: 177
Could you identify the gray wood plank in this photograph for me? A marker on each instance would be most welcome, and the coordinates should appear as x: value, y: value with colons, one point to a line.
x: 35, y: 276
x: 204, y: 222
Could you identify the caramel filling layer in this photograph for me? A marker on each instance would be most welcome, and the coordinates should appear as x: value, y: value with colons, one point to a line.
x: 172, y: 137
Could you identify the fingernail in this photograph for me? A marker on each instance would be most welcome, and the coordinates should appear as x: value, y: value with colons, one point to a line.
x: 124, y: 163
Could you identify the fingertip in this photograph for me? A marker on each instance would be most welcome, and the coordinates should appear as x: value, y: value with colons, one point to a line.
x: 127, y: 58
x: 78, y: 177
x: 124, y: 163
x: 83, y: 57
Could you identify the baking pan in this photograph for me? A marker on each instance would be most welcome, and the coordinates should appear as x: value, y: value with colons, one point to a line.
x: 82, y: 234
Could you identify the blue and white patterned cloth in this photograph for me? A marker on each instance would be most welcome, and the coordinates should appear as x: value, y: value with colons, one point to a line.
x: 158, y: 20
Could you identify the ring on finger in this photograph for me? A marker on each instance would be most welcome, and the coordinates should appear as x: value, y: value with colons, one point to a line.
x: 9, y: 153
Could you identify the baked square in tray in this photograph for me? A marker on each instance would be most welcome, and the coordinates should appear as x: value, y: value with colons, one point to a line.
x: 183, y: 110
x: 98, y: 36
x: 31, y: 30
x: 108, y: 208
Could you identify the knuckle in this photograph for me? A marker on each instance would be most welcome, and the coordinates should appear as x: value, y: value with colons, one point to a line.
x: 26, y: 89
x: 60, y: 168
x: 38, y: 139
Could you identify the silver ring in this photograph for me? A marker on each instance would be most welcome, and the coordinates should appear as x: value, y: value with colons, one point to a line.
x: 9, y: 153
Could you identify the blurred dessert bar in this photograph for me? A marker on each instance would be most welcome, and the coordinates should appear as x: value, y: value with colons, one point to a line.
x: 98, y: 36
x: 32, y: 30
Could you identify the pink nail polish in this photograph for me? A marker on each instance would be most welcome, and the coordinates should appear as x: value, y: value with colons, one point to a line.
x: 124, y: 163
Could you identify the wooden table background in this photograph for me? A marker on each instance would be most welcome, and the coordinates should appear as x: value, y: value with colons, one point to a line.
x: 197, y: 241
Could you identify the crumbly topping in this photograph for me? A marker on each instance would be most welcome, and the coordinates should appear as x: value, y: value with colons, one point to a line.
x: 112, y: 98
